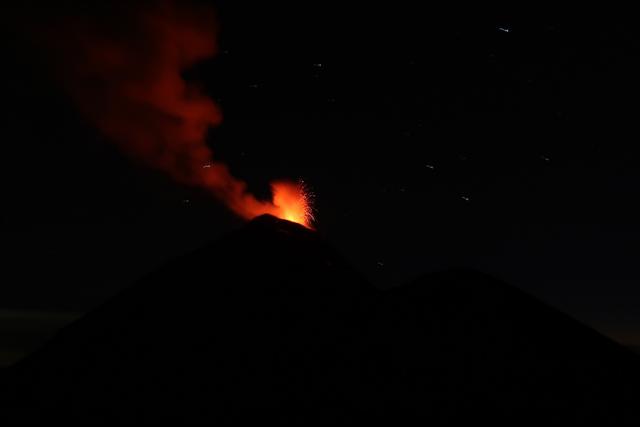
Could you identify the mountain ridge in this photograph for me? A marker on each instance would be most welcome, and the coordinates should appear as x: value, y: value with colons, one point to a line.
x: 270, y: 316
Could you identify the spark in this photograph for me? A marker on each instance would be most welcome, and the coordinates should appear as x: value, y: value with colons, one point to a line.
x: 294, y: 202
x: 504, y: 29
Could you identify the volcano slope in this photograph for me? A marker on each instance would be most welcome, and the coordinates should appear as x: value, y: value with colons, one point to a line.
x: 271, y: 317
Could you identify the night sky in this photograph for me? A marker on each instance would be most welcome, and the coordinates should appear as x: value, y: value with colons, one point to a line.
x: 430, y: 140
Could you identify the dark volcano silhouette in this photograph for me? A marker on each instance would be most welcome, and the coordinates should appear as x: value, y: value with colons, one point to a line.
x: 271, y: 317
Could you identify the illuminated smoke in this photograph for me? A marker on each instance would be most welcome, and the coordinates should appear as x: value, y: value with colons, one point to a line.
x: 126, y: 77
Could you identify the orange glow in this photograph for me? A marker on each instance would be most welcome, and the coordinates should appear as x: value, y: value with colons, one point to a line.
x: 292, y: 202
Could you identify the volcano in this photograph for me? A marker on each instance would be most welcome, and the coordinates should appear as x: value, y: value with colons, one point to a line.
x: 270, y: 316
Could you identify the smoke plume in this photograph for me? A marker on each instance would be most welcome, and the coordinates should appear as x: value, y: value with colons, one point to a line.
x: 125, y: 76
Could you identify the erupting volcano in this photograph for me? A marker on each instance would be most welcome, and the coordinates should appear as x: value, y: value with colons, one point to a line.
x: 128, y: 82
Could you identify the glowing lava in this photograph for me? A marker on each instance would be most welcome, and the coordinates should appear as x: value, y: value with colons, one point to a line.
x: 293, y: 202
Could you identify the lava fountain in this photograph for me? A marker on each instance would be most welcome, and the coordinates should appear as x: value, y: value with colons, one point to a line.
x: 293, y: 202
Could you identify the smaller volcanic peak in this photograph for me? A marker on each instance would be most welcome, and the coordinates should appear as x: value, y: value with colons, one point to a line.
x: 486, y: 302
x: 480, y: 341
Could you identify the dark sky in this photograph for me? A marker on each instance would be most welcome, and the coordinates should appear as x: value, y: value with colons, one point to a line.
x: 430, y: 140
